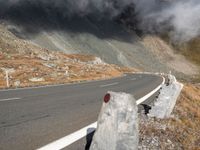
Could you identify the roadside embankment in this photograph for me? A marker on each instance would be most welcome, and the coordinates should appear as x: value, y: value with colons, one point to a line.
x: 181, y: 130
x: 176, y: 128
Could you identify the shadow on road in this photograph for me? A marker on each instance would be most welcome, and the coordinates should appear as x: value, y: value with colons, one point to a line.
x: 90, y: 134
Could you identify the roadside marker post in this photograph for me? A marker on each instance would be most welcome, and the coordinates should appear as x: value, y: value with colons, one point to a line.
x: 7, y: 79
x: 7, y: 71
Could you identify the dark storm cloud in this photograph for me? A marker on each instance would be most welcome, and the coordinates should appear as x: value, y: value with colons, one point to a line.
x: 180, y: 16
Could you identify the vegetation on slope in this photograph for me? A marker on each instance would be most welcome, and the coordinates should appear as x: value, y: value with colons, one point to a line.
x: 32, y: 65
x: 191, y: 50
x: 181, y: 131
x: 186, y: 126
x: 167, y: 55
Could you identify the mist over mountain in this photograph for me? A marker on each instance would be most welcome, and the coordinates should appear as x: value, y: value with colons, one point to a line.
x: 109, y: 29
x: 179, y: 17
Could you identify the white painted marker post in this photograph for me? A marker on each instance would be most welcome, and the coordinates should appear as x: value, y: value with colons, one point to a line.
x: 7, y: 71
x: 7, y: 79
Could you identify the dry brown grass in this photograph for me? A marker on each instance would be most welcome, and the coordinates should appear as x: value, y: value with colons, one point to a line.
x: 83, y: 58
x: 27, y: 67
x: 182, y: 130
x: 186, y: 128
x: 191, y: 50
x: 31, y: 61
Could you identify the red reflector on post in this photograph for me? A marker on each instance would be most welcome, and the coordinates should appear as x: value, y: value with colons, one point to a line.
x: 107, y: 98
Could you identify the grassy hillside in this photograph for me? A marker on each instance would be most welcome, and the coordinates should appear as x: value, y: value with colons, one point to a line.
x: 191, y: 50
x: 181, y: 130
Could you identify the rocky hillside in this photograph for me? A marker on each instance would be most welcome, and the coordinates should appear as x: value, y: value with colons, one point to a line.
x: 30, y: 65
x: 110, y: 41
x: 167, y: 54
x: 190, y: 49
x: 52, y: 55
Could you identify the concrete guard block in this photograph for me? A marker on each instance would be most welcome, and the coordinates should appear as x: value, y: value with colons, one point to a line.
x: 117, y: 127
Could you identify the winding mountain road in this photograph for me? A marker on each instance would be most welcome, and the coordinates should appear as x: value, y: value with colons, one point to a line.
x: 33, y: 117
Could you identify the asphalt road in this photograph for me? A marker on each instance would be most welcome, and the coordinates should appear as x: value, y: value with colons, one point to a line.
x: 32, y: 118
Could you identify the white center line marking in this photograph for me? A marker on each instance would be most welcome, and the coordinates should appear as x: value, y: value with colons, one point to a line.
x: 69, y: 139
x: 133, y: 79
x: 9, y: 99
x: 109, y: 84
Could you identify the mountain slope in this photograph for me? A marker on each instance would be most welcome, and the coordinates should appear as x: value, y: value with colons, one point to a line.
x: 31, y: 65
x: 109, y: 41
x: 169, y: 56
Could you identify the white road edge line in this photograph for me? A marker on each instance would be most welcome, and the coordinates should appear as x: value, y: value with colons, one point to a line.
x: 9, y: 99
x: 69, y: 139
x: 139, y: 101
x: 106, y: 85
